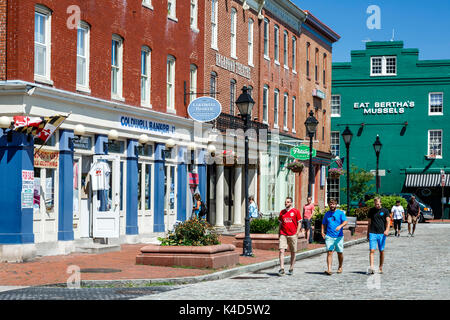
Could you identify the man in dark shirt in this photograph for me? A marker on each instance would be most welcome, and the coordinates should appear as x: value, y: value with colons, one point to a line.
x: 377, y: 231
x: 412, y: 214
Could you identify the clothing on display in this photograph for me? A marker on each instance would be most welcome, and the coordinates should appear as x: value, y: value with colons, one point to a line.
x: 100, y: 174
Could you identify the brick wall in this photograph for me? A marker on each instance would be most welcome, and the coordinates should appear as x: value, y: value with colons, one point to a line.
x: 224, y: 49
x: 3, y: 25
x: 136, y: 24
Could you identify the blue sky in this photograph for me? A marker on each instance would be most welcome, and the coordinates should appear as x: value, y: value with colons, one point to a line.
x: 419, y: 24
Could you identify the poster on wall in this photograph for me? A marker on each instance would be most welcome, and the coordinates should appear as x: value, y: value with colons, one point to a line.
x: 27, y: 193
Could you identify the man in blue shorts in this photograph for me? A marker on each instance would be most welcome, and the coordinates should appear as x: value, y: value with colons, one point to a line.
x: 334, y: 222
x: 377, y: 231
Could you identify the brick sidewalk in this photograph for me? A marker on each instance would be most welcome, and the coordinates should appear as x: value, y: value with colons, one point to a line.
x: 53, y: 269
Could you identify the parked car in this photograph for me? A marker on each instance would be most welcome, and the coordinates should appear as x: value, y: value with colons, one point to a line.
x: 426, y: 213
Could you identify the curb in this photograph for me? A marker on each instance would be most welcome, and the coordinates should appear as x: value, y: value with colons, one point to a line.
x: 213, y: 276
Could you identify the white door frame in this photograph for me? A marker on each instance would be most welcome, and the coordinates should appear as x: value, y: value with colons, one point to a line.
x: 105, y: 224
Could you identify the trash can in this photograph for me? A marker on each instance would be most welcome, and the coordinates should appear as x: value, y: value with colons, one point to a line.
x: 446, y: 213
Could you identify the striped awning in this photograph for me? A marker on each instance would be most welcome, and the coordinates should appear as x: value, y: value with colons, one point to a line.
x: 425, y: 180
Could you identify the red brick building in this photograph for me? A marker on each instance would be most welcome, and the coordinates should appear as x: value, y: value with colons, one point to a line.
x: 121, y: 70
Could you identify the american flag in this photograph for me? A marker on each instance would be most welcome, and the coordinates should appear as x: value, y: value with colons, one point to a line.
x: 39, y: 127
x: 339, y: 161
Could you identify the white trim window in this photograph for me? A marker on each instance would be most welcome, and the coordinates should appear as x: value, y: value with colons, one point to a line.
x: 335, y: 105
x: 435, y: 143
x: 172, y: 9
x: 194, y: 15
x: 192, y: 82
x: 232, y: 96
x: 116, y: 67
x: 250, y: 42
x: 333, y: 188
x: 266, y: 38
x: 147, y: 4
x: 213, y: 85
x: 42, y: 44
x: 276, y: 41
x: 83, y: 56
x: 276, y: 100
x: 265, y: 103
x: 383, y: 66
x: 285, y: 111
x: 294, y: 54
x: 335, y: 143
x: 436, y: 103
x: 285, y: 49
x: 214, y: 18
x: 171, y: 83
x: 145, y: 76
x: 233, y: 32
x: 294, y: 100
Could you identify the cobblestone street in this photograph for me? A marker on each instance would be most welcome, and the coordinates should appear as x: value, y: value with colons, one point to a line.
x: 415, y: 268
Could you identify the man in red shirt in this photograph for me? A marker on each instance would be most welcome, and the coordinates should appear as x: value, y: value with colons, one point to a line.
x: 289, y: 219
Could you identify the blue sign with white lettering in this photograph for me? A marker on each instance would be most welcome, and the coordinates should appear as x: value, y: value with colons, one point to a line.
x: 204, y: 109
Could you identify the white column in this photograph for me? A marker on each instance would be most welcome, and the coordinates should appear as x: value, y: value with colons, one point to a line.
x: 219, y: 196
x: 238, y: 211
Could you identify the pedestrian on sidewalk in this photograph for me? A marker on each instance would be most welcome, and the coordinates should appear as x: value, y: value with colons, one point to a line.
x: 252, y: 208
x: 308, y: 210
x: 333, y: 224
x: 398, y: 214
x: 377, y: 231
x: 412, y: 214
x: 290, y: 224
x: 197, y: 205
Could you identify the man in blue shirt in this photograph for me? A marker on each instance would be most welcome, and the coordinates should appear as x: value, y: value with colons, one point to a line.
x: 334, y: 222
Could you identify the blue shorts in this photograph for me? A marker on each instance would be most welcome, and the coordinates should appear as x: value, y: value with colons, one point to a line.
x: 334, y: 244
x: 377, y: 239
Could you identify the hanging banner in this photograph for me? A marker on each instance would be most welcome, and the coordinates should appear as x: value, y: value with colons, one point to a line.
x: 46, y: 159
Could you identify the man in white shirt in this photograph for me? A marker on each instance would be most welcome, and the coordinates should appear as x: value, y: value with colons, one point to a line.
x: 398, y: 214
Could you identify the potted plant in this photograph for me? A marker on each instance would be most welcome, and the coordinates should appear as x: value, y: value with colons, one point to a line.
x: 335, y: 173
x: 295, y: 166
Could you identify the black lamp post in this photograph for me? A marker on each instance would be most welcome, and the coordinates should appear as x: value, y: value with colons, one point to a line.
x: 311, y: 125
x: 245, y: 104
x: 377, y: 147
x: 347, y: 135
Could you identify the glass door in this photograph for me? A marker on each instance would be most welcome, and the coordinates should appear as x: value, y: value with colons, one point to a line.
x: 105, y: 179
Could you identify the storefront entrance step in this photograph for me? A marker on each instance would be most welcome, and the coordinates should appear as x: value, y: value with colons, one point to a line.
x: 98, y: 248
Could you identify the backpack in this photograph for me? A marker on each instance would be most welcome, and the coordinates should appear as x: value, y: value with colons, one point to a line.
x: 203, y: 210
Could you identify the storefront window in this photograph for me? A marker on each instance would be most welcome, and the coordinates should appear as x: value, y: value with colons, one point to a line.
x: 76, y: 190
x: 37, y: 190
x: 49, y: 191
x: 139, y: 185
x: 148, y: 186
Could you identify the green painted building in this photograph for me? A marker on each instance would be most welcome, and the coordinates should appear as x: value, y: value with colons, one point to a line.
x: 386, y: 90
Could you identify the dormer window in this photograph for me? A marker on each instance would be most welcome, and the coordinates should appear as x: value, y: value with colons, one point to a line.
x: 383, y: 66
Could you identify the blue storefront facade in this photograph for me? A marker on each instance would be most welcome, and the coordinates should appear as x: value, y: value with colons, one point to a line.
x: 50, y: 200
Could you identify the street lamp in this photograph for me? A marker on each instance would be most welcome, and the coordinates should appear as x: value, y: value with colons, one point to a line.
x: 311, y: 125
x: 245, y: 104
x: 347, y: 135
x: 377, y: 147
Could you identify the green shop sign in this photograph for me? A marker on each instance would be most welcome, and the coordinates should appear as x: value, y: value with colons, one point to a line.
x: 302, y: 152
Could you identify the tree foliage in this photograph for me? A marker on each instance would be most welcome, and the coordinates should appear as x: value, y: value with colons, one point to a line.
x: 359, y: 183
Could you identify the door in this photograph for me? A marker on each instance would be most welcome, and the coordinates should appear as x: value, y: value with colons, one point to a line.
x: 170, y: 195
x: 106, y: 196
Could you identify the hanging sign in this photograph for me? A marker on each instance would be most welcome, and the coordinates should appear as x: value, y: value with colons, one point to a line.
x: 302, y: 152
x: 442, y: 178
x: 204, y: 109
x: 46, y: 159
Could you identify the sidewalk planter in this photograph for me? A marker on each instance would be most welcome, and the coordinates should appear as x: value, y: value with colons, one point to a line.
x: 217, y: 256
x: 361, y: 226
x: 267, y: 241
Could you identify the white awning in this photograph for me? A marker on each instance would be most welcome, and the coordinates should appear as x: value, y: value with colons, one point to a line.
x: 425, y: 180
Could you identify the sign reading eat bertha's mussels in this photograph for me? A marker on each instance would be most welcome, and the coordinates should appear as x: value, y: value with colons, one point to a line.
x: 204, y: 109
